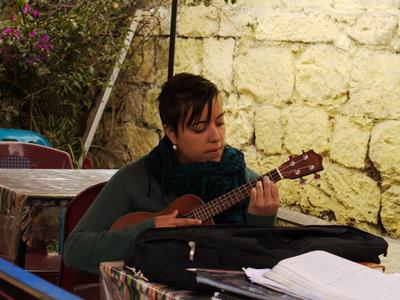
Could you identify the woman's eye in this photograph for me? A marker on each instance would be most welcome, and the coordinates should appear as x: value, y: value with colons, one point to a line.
x: 220, y: 124
x: 199, y: 128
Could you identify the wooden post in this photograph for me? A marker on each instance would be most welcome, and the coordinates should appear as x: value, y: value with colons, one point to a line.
x: 91, y: 130
x: 172, y: 35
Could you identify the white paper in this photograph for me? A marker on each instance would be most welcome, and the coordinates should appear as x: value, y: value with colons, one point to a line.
x: 257, y: 276
x: 322, y: 275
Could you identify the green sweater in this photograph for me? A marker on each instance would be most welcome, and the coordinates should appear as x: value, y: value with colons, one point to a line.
x: 131, y: 189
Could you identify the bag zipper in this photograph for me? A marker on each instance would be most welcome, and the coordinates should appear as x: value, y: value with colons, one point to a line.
x: 192, y: 246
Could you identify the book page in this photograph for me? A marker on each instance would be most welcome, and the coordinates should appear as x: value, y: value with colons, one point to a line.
x: 327, y: 273
x: 257, y: 276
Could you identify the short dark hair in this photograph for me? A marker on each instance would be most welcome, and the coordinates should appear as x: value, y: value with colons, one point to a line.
x: 182, y: 92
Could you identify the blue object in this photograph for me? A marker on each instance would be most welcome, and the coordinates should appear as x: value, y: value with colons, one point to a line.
x: 32, y: 284
x: 63, y: 210
x: 24, y: 136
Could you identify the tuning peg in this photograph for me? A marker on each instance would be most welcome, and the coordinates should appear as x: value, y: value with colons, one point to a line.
x: 317, y: 176
x: 303, y: 181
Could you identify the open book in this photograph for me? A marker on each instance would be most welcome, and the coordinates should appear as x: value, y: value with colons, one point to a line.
x: 322, y: 275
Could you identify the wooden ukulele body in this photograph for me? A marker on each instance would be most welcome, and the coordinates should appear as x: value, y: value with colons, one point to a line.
x: 184, y: 204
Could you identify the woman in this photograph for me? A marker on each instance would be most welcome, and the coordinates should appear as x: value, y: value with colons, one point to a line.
x: 191, y: 158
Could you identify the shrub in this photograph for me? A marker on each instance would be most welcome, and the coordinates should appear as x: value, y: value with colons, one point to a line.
x: 55, y: 58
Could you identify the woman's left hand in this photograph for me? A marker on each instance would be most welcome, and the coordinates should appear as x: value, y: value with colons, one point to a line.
x: 264, y: 198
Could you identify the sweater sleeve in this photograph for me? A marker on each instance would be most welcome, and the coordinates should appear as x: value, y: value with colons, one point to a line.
x: 92, y: 241
x: 255, y: 220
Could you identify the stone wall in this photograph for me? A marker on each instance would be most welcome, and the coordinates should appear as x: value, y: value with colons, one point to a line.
x: 294, y: 75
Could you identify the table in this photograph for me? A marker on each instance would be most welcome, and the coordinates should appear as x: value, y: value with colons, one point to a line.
x: 118, y: 283
x: 28, y: 195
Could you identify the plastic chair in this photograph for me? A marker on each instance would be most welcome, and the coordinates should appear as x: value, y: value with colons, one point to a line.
x: 69, y: 279
x: 22, y: 135
x: 17, y: 155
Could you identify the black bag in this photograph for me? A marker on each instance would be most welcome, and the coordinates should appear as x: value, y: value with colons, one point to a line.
x: 164, y: 254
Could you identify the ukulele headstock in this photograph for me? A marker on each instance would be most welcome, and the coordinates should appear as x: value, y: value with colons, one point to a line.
x: 301, y: 165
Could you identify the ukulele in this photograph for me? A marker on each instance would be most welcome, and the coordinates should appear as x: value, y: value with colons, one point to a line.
x: 191, y: 206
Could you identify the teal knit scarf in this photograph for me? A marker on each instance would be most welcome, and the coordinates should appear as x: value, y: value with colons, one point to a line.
x: 206, y: 180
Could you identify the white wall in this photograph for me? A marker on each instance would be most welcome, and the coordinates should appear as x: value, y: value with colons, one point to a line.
x: 295, y: 75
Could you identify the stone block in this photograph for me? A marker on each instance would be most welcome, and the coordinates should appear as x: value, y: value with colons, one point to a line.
x: 374, y: 28
x: 395, y: 41
x: 366, y: 4
x: 306, y: 128
x: 295, y: 27
x: 360, y: 196
x: 132, y: 98
x: 139, y: 141
x: 162, y: 57
x: 239, y: 127
x: 265, y: 73
x: 234, y: 103
x: 302, y: 4
x: 155, y: 22
x: 351, y: 201
x: 188, y: 56
x: 322, y: 76
x: 349, y: 145
x: 218, y: 62
x: 151, y: 115
x: 238, y: 22
x: 268, y: 129
x: 197, y: 21
x: 374, y: 85
x: 384, y: 147
x: 142, y: 62
x: 391, y: 210
x: 258, y: 4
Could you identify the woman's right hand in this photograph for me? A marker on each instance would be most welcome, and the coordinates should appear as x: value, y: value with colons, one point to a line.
x: 171, y: 220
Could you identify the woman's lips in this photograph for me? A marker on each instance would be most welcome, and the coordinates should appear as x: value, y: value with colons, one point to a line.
x: 214, y: 150
x: 214, y: 154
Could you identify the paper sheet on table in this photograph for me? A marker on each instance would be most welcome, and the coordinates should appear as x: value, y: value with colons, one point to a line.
x: 319, y: 274
x: 257, y: 276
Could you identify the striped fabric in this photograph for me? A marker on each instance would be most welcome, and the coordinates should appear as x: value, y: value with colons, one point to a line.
x: 120, y: 284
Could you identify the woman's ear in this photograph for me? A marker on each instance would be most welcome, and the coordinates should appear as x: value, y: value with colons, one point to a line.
x: 170, y: 134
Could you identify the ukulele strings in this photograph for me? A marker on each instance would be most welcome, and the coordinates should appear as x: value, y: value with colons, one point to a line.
x: 212, y: 208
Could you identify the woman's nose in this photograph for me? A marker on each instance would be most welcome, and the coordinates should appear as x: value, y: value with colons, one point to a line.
x: 213, y: 134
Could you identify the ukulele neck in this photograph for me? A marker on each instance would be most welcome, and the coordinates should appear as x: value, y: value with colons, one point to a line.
x: 224, y: 202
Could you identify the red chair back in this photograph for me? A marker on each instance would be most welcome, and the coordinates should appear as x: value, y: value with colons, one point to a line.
x: 17, y: 155
x: 70, y: 278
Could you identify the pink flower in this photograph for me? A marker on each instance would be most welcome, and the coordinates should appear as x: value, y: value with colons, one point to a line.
x: 27, y: 8
x: 45, y: 47
x: 32, y: 34
x: 18, y: 34
x: 45, y: 38
x: 35, y: 13
x: 14, y: 18
x: 8, y: 30
x: 30, y: 61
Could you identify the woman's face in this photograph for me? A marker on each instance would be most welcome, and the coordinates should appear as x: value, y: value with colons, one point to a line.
x: 202, y: 141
